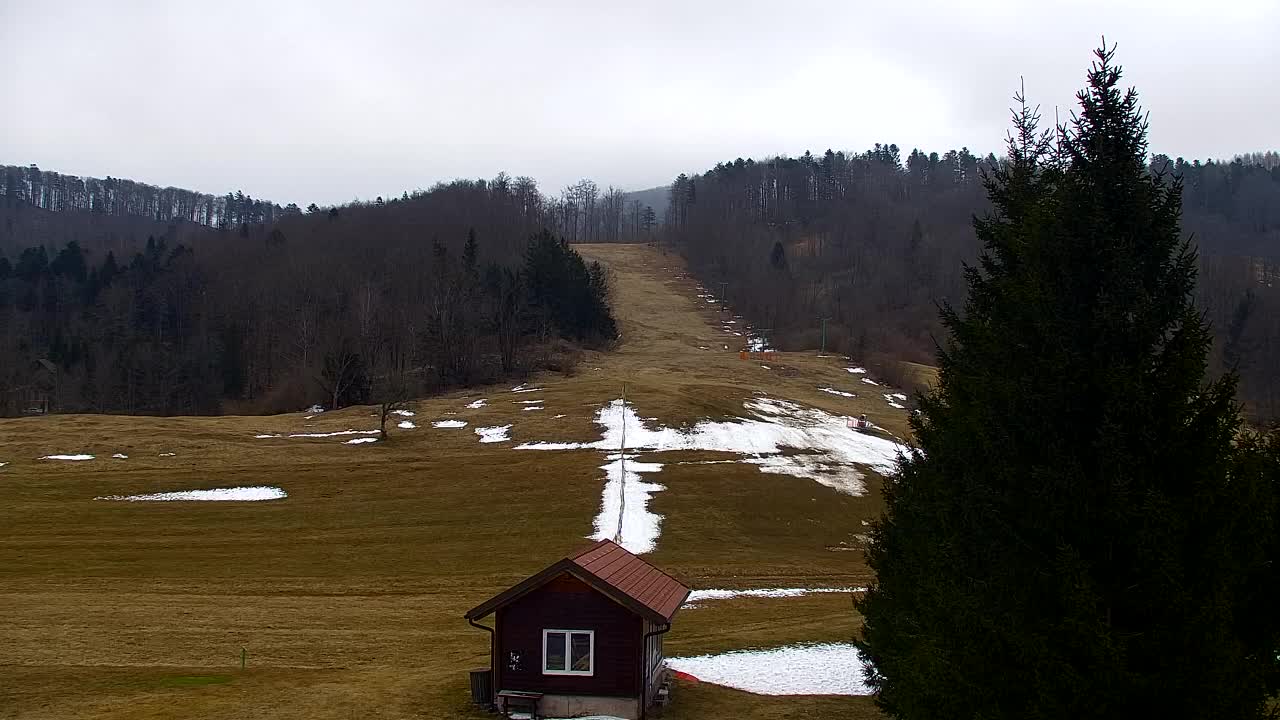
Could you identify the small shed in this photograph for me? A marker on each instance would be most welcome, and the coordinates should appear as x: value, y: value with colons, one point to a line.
x: 583, y: 636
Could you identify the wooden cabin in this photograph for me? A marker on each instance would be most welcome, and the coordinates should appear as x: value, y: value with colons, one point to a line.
x: 582, y: 637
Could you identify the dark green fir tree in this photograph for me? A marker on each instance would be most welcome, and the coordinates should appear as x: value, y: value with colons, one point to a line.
x: 1084, y: 530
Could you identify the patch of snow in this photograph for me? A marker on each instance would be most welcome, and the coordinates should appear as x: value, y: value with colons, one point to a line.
x: 834, y: 391
x: 869, y: 381
x: 857, y: 370
x: 449, y: 424
x: 893, y: 404
x: 499, y: 433
x: 533, y: 407
x: 823, y: 669
x: 766, y: 367
x: 703, y: 595
x: 360, y: 441
x: 67, y: 457
x: 237, y: 494
x: 315, y: 409
x: 557, y: 417
x: 322, y: 435
x: 403, y: 413
x: 406, y: 425
x: 899, y: 396
x: 527, y: 402
x: 120, y: 456
x: 3, y: 464
x: 523, y: 389
x: 476, y: 404
x: 624, y: 505
x: 821, y: 446
x: 167, y: 454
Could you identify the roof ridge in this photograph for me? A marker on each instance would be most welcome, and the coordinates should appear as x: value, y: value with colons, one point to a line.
x: 607, y: 541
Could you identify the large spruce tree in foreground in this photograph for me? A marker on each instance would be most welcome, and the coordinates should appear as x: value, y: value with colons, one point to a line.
x: 1084, y: 531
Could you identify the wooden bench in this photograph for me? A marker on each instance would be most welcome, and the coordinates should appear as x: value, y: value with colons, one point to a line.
x: 521, y: 700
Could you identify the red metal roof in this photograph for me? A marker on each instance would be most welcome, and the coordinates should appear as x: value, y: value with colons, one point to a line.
x: 633, y: 577
x: 613, y: 571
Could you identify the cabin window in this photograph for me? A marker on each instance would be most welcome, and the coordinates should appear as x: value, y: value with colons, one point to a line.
x: 568, y: 652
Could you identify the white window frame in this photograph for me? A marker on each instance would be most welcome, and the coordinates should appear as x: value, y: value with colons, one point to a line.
x: 568, y: 648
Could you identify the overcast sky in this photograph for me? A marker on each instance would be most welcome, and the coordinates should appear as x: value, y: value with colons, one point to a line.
x: 327, y: 101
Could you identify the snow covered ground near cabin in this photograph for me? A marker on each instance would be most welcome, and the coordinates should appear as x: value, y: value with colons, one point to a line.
x: 72, y: 458
x: 700, y: 596
x: 238, y: 494
x: 824, y: 669
x: 449, y: 424
x: 782, y: 438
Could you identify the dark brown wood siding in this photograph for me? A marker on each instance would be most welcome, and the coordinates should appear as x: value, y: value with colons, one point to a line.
x: 567, y: 603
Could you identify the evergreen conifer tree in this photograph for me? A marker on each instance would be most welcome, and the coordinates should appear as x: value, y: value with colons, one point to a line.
x: 1083, y: 531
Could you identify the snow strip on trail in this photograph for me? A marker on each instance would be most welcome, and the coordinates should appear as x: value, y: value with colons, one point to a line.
x: 449, y: 424
x: 826, y: 451
x: 626, y: 499
x: 67, y: 457
x: 360, y: 441
x: 476, y: 404
x: 499, y: 433
x: 237, y: 494
x: 834, y: 391
x: 406, y: 425
x: 825, y: 669
x: 698, y: 596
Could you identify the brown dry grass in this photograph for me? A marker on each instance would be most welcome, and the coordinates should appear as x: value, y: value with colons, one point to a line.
x: 349, y: 594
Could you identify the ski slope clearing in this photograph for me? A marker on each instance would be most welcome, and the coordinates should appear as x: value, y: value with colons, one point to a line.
x: 335, y: 590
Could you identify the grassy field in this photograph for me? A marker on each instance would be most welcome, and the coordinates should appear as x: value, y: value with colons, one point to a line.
x: 348, y: 595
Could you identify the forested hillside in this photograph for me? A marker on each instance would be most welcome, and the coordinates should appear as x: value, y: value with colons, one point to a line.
x: 456, y: 285
x: 115, y: 197
x: 873, y: 241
